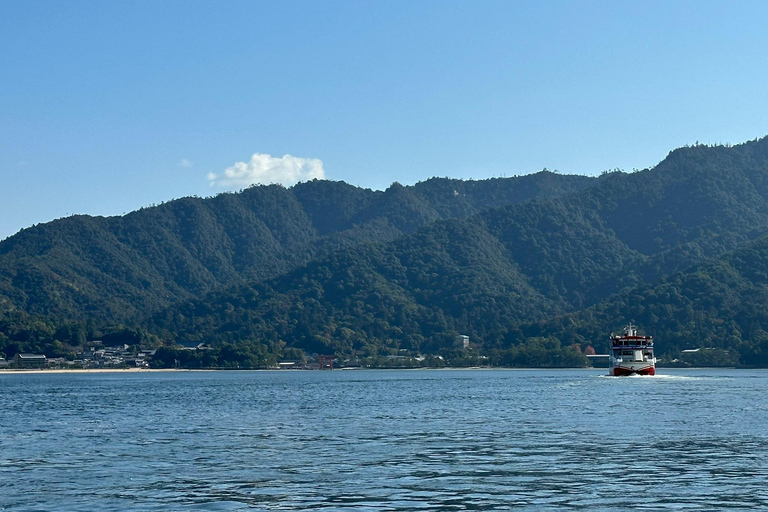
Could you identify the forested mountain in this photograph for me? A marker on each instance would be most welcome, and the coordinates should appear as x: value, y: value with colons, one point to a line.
x: 489, y: 274
x: 119, y: 268
x: 527, y: 271
x: 718, y: 307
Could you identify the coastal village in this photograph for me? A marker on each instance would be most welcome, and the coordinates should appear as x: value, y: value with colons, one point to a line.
x: 123, y: 358
x: 95, y: 355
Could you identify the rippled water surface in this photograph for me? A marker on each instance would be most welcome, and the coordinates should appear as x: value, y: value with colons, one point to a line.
x: 384, y: 440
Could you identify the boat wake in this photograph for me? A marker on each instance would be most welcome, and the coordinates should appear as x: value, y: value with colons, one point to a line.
x: 651, y: 377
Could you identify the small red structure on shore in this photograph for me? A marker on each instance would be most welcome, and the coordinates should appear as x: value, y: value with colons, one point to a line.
x: 326, y: 362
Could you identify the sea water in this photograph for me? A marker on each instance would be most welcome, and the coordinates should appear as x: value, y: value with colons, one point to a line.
x: 384, y: 440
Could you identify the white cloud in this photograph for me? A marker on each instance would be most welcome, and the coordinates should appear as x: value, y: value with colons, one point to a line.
x: 265, y: 169
x: 185, y: 163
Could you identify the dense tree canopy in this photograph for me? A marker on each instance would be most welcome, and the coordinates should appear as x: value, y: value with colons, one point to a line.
x: 125, y: 268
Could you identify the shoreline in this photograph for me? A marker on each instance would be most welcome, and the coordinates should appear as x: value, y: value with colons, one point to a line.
x: 39, y: 371
x: 89, y: 370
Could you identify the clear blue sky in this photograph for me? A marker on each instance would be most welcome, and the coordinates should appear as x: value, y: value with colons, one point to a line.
x: 109, y: 106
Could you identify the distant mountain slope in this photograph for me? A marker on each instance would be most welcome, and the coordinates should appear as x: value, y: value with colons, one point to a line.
x: 122, y: 267
x: 720, y: 304
x: 374, y: 295
x: 490, y: 274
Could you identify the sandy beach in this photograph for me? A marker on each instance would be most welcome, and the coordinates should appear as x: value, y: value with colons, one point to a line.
x: 92, y: 370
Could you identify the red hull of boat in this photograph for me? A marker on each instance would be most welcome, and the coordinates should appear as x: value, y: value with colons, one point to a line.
x: 620, y: 372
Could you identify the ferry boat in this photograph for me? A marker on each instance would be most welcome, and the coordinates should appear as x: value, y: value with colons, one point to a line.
x: 631, y: 354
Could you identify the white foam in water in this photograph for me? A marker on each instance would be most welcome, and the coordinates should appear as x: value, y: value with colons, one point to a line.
x: 651, y: 377
x: 667, y: 377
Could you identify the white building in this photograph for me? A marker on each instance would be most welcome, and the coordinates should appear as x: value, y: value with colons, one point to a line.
x: 462, y: 340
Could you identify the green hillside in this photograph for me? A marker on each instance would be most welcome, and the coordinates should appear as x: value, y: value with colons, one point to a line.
x: 119, y: 268
x: 718, y: 306
x: 530, y: 268
x: 490, y: 276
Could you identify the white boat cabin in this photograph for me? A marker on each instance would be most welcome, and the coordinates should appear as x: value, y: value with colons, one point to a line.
x: 631, y: 347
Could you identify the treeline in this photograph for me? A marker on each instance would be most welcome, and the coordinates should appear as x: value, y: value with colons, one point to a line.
x: 241, y: 355
x: 718, y: 308
x: 534, y: 352
x: 23, y: 333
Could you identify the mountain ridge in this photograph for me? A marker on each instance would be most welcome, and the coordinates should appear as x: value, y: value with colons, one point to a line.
x: 553, y: 251
x: 377, y: 273
x: 123, y: 267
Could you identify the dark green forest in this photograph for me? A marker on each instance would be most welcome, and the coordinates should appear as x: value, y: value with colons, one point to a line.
x: 533, y: 269
x: 125, y: 268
